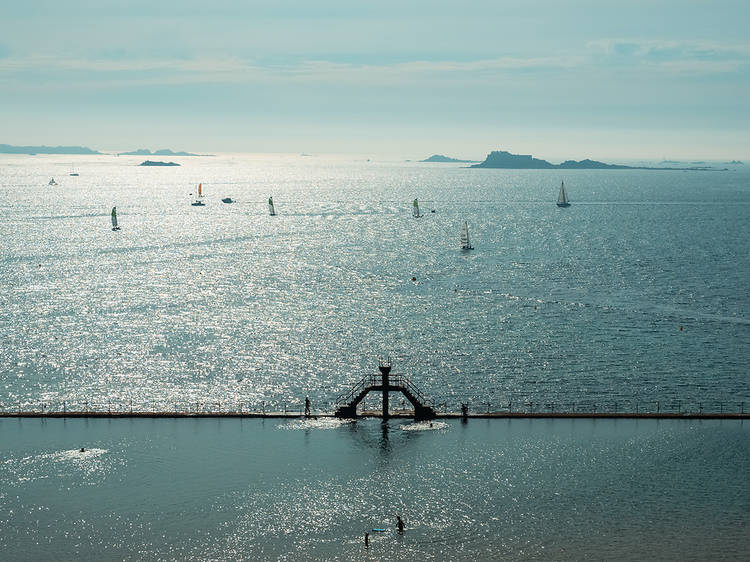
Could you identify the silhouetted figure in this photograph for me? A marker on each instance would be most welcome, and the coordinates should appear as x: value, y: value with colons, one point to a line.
x: 307, y: 407
x: 400, y: 524
x: 83, y: 449
x: 367, y: 540
x: 464, y: 411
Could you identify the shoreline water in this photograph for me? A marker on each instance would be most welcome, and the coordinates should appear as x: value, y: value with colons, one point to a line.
x: 308, y: 490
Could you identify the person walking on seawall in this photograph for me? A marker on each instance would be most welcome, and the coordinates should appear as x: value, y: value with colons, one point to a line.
x: 400, y: 524
x: 307, y: 407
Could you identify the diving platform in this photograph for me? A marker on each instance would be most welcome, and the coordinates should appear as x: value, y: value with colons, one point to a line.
x: 384, y: 383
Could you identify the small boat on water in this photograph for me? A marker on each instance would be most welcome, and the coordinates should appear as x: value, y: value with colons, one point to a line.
x: 52, y: 182
x: 198, y: 202
x: 415, y: 210
x: 114, y: 219
x: 271, y: 208
x: 562, y: 198
x: 73, y: 171
x: 227, y: 200
x: 465, y: 242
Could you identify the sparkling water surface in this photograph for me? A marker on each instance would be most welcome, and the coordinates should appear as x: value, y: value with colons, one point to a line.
x: 637, y: 293
x: 300, y: 490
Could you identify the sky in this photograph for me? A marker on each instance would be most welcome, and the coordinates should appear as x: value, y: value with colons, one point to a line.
x: 561, y: 80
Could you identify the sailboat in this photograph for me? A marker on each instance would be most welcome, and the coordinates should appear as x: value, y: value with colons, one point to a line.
x: 415, y: 211
x: 114, y: 219
x: 465, y: 242
x: 73, y: 171
x: 562, y: 198
x: 271, y: 208
x: 52, y: 182
x: 198, y: 202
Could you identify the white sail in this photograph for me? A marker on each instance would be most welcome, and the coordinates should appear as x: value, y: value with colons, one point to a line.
x: 562, y: 198
x: 198, y: 202
x: 271, y: 209
x: 465, y: 242
x: 415, y: 211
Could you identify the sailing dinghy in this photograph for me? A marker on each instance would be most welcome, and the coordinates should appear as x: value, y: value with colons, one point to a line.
x: 562, y: 198
x: 198, y: 202
x: 465, y: 242
x: 415, y: 211
x: 114, y: 219
x: 271, y: 208
x: 52, y: 182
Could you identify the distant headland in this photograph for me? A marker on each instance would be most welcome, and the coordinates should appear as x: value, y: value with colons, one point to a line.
x: 441, y: 158
x: 32, y: 150
x: 506, y: 160
x: 156, y: 163
x: 162, y: 152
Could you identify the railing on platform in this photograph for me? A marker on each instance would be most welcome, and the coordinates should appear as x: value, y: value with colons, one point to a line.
x: 367, y: 380
x: 599, y: 407
x: 376, y: 380
x: 296, y: 406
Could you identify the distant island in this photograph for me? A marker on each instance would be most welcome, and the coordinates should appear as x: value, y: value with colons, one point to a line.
x: 10, y: 149
x: 679, y: 163
x: 155, y: 163
x: 162, y: 152
x: 506, y: 160
x: 441, y: 158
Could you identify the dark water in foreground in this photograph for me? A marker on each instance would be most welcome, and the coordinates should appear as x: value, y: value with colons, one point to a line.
x: 296, y: 490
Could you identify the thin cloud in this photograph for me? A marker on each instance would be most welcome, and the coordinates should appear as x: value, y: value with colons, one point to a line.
x: 233, y: 70
x: 673, y: 50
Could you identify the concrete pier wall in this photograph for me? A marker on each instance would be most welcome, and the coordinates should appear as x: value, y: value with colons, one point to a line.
x: 377, y: 414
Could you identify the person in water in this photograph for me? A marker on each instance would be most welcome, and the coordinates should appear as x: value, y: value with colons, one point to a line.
x: 400, y: 524
x: 307, y: 407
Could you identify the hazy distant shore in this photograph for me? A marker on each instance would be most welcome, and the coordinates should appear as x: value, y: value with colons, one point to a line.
x: 505, y: 160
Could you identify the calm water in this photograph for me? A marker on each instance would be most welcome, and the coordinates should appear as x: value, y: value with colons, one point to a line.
x: 223, y: 303
x: 489, y: 489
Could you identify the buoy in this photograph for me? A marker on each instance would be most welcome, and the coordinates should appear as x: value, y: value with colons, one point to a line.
x: 680, y: 328
x: 413, y: 278
x: 534, y: 307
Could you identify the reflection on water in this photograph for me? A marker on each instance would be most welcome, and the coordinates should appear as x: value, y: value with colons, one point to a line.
x: 315, y: 423
x: 310, y: 489
x: 425, y: 426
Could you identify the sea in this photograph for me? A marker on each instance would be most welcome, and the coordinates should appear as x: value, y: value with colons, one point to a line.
x: 634, y: 298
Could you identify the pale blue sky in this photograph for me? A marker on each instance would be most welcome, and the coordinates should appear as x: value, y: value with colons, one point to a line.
x: 559, y: 79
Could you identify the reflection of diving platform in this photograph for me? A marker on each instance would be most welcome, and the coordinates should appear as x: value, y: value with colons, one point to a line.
x: 385, y: 383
